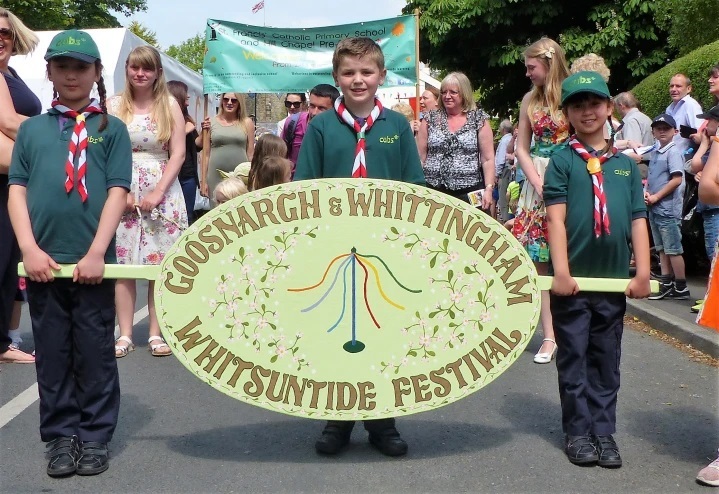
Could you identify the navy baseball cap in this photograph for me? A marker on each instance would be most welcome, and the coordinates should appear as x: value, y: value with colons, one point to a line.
x: 665, y: 118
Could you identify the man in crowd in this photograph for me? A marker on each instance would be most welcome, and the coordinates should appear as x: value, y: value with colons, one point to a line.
x: 322, y: 98
x: 684, y: 109
x: 503, y: 160
x: 636, y: 126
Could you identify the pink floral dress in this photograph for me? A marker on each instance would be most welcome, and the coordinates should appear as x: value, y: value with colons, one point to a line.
x: 530, y: 222
x: 144, y: 238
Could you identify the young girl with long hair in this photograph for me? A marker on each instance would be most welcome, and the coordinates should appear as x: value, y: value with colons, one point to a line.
x: 267, y: 145
x: 541, y: 117
x: 273, y: 170
x: 69, y: 180
x: 155, y: 215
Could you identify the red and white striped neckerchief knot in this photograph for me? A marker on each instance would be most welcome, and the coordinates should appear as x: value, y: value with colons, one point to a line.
x: 359, y: 168
x: 601, y: 216
x: 78, y: 146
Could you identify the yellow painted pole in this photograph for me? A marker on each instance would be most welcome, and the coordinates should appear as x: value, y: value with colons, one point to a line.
x: 131, y: 272
x: 416, y: 62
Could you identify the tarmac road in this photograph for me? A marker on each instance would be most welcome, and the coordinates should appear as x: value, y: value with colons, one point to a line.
x: 176, y: 434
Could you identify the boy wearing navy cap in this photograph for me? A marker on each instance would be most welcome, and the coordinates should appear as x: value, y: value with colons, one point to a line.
x: 595, y: 212
x: 664, y: 196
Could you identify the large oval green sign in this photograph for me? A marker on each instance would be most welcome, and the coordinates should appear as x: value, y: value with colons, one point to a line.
x: 347, y: 299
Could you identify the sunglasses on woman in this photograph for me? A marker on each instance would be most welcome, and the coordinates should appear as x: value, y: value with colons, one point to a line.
x: 293, y: 104
x: 5, y: 33
x: 230, y: 100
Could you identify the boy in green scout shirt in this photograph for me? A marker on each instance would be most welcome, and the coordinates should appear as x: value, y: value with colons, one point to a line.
x: 360, y: 139
x: 69, y: 177
x: 596, y: 216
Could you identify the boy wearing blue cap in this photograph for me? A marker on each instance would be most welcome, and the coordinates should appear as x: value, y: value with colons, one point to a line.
x: 596, y: 217
x: 665, y: 196
x: 69, y: 177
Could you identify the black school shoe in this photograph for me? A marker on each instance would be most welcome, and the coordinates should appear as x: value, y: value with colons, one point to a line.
x: 62, y: 453
x: 388, y: 442
x: 333, y: 440
x: 608, y: 452
x: 580, y: 450
x: 93, y: 458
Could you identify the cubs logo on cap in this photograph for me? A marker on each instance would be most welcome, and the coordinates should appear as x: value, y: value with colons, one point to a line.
x: 74, y: 44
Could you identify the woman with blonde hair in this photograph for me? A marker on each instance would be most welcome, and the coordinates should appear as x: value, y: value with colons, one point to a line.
x: 17, y: 103
x: 456, y: 144
x: 541, y: 118
x: 156, y: 213
x: 231, y: 140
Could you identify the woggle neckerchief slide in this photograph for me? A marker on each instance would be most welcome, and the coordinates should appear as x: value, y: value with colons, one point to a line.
x: 347, y: 298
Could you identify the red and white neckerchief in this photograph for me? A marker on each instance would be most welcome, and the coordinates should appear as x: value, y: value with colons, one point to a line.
x: 78, y: 146
x: 359, y: 168
x: 594, y: 167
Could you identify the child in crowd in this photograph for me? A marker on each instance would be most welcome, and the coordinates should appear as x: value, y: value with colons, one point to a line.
x: 590, y: 241
x: 228, y: 189
x: 664, y: 195
x: 513, y: 190
x: 268, y: 145
x: 346, y: 143
x: 241, y: 171
x: 272, y: 170
x: 66, y: 210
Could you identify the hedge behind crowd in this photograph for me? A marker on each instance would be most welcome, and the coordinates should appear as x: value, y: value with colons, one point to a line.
x: 653, y: 92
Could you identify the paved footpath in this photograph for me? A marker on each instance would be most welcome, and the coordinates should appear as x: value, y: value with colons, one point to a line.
x: 178, y: 435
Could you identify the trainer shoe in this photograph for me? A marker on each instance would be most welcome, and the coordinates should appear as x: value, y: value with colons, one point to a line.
x: 62, y: 453
x: 666, y: 290
x: 681, y: 293
x: 608, y: 452
x: 709, y: 475
x: 580, y: 450
x: 93, y: 458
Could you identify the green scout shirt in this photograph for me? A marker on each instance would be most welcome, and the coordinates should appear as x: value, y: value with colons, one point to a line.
x: 328, y: 149
x: 567, y: 180
x: 62, y: 224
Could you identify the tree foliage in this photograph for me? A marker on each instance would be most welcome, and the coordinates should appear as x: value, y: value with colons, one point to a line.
x: 144, y: 33
x: 691, y: 23
x: 190, y: 52
x: 485, y: 39
x: 653, y: 92
x: 44, y: 15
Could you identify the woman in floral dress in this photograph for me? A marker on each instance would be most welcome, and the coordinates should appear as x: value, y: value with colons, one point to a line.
x: 540, y: 117
x: 155, y: 215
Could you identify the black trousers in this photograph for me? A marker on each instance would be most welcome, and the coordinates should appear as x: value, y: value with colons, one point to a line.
x: 371, y: 426
x: 73, y: 326
x: 588, y: 328
x: 9, y: 257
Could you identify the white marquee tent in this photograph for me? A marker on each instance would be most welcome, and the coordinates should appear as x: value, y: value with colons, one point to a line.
x: 114, y: 45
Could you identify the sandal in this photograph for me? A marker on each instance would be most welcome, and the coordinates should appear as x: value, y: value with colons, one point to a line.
x: 14, y: 355
x: 122, y: 351
x: 160, y: 349
x: 545, y: 358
